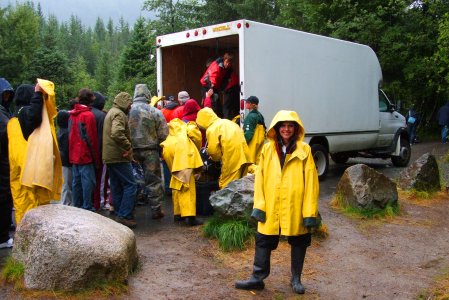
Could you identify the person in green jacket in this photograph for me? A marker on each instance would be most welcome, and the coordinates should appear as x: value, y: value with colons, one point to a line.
x: 117, y: 155
x: 286, y: 191
x: 254, y: 129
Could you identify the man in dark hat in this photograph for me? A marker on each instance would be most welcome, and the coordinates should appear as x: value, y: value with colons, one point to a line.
x: 254, y: 129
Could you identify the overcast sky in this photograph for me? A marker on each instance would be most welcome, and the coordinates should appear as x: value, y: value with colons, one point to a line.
x: 88, y: 10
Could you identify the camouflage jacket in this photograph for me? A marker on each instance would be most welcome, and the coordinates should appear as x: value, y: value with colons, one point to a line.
x: 147, y: 124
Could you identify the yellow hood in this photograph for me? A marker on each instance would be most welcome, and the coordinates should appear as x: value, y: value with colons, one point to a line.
x: 282, y: 116
x: 206, y: 117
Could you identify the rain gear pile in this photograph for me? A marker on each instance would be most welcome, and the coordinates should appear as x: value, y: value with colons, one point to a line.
x: 36, y: 168
x: 225, y: 143
x: 286, y: 198
x: 181, y: 153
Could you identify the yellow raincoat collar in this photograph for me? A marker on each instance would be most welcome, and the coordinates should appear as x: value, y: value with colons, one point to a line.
x: 206, y: 117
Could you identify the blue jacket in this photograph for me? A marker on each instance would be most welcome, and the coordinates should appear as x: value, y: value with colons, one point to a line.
x: 443, y: 115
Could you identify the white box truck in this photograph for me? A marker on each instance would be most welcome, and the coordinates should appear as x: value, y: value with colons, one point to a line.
x: 333, y: 85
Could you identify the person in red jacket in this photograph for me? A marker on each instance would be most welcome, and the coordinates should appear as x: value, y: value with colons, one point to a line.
x: 216, y: 78
x: 83, y: 150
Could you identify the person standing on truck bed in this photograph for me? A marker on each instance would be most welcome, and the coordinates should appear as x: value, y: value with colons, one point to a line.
x: 216, y: 78
x: 254, y: 129
x: 225, y: 143
x: 286, y: 191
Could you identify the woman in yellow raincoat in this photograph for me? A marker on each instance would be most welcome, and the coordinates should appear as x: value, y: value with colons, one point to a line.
x: 286, y: 191
x: 35, y: 162
x: 181, y: 153
x: 225, y: 143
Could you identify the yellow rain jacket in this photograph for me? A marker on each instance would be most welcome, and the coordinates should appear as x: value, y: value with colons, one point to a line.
x: 286, y: 200
x: 181, y: 153
x: 35, y: 165
x: 225, y: 142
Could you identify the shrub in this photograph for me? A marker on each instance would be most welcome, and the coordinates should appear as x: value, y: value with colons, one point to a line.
x: 232, y: 234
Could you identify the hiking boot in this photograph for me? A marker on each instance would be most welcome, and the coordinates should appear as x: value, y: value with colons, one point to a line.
x: 157, y: 215
x: 131, y: 223
x: 261, y: 270
x: 193, y: 221
x: 250, y: 284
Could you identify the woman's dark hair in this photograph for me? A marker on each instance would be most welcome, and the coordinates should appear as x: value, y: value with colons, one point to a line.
x: 85, y: 96
x: 294, y: 136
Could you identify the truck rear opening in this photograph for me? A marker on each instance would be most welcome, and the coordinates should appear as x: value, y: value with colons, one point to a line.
x: 182, y: 65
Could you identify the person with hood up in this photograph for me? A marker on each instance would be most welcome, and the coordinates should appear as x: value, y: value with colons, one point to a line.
x: 6, y: 96
x: 83, y: 150
x: 34, y: 159
x: 117, y: 155
x: 148, y: 129
x: 190, y: 111
x: 286, y: 191
x: 225, y: 143
x: 254, y: 129
x: 181, y: 153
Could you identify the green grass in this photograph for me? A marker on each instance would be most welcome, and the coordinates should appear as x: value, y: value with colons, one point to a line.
x: 389, y: 211
x: 12, y: 271
x: 232, y: 234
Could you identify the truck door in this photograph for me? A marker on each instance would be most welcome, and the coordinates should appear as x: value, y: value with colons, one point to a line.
x: 389, y: 121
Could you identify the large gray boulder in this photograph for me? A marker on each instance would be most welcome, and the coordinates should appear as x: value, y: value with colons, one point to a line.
x: 363, y: 187
x: 67, y: 248
x: 235, y: 200
x: 422, y: 175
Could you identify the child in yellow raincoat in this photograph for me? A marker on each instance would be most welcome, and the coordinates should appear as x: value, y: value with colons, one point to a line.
x: 286, y: 191
x: 181, y: 153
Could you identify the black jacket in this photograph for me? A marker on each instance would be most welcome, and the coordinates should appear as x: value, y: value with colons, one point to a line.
x: 62, y: 119
x: 5, y: 191
x: 29, y: 106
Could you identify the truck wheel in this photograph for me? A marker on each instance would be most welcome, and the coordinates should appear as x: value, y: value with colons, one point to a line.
x: 321, y: 158
x: 339, y: 158
x: 405, y: 153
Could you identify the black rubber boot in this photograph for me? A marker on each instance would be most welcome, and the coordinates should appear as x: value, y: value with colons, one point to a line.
x: 193, y: 221
x: 297, y: 262
x: 261, y: 270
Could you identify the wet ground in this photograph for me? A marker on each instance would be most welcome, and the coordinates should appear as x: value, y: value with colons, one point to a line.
x: 397, y: 259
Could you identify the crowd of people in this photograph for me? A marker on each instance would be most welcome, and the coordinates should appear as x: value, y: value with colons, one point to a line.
x: 94, y: 157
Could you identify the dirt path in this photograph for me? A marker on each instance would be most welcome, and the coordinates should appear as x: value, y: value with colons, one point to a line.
x: 397, y: 259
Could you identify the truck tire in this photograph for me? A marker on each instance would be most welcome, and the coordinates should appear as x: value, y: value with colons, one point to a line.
x: 339, y: 158
x: 405, y: 153
x: 321, y: 158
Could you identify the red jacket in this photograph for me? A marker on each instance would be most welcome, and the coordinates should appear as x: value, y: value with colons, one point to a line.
x: 171, y: 114
x: 214, y: 74
x: 79, y: 151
